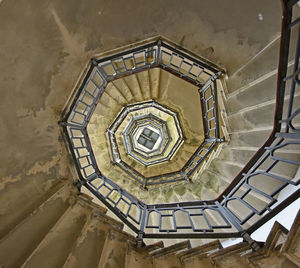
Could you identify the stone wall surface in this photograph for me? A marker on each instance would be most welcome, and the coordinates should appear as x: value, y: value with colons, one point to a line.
x: 45, y: 45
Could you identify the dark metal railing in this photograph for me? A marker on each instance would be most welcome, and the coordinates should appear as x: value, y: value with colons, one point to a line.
x: 235, y: 212
x: 139, y: 107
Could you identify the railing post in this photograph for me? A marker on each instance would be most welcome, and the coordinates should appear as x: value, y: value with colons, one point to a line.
x: 79, y: 184
x: 140, y: 235
x: 100, y: 70
x: 158, y: 52
x: 216, y: 109
x: 144, y: 186
x: 252, y: 243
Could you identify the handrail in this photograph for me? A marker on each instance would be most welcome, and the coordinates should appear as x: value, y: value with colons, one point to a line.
x: 205, y: 219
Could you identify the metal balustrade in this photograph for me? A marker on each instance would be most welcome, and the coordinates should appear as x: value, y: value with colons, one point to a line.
x: 234, y: 213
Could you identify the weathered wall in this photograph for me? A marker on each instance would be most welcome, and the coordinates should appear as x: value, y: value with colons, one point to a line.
x: 45, y: 44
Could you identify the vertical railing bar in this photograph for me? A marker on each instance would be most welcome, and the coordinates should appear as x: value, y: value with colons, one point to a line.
x: 216, y: 110
x: 229, y: 217
x: 158, y: 55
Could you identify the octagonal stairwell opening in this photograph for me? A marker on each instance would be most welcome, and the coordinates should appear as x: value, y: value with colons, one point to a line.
x: 177, y: 82
x: 119, y: 84
x: 171, y: 91
x: 163, y: 126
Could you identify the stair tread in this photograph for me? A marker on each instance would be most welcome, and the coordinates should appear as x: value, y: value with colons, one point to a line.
x: 114, y: 252
x: 23, y: 239
x: 290, y: 248
x: 66, y: 231
x: 171, y: 249
x: 89, y: 245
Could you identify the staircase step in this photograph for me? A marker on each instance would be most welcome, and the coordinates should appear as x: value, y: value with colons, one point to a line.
x: 291, y: 248
x: 123, y: 88
x: 144, y: 83
x: 171, y: 249
x: 133, y: 83
x: 21, y: 198
x: 154, y: 76
x: 257, y: 93
x: 231, y: 256
x: 56, y: 246
x: 257, y: 67
x: 251, y: 117
x: 251, y: 138
x: 270, y: 253
x: 199, y: 256
x: 262, y: 66
x: 238, y: 156
x: 89, y: 245
x: 114, y: 250
x: 140, y: 257
x: 23, y: 239
x: 167, y: 257
x: 155, y: 246
x: 116, y: 94
x: 227, y: 169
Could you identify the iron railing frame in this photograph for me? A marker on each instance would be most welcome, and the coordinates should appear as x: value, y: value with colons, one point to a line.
x: 283, y: 134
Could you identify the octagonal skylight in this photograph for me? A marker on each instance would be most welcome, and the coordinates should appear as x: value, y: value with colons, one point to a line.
x: 151, y: 137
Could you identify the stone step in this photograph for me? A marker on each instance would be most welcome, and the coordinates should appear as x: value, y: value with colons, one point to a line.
x: 133, y: 83
x: 238, y: 156
x: 291, y: 249
x: 123, y: 88
x: 22, y: 197
x: 109, y: 106
x: 251, y: 138
x: 145, y: 85
x: 103, y: 110
x: 166, y: 257
x: 140, y: 257
x: 199, y: 256
x: 164, y: 82
x: 257, y: 93
x: 210, y: 181
x: 154, y: 77
x: 251, y: 118
x: 231, y: 256
x: 227, y: 169
x: 56, y: 246
x: 269, y: 254
x: 116, y: 94
x: 114, y: 250
x: 241, y: 155
x: 261, y: 66
x: 90, y: 243
x: 23, y: 239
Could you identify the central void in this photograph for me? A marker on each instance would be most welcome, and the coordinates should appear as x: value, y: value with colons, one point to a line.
x: 150, y: 132
x: 148, y: 138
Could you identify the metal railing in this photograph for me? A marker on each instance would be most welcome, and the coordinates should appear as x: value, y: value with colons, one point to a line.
x: 234, y: 213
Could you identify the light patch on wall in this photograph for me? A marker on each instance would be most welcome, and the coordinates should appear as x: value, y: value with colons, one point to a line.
x: 260, y: 17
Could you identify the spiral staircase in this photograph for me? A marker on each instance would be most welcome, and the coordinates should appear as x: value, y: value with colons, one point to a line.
x: 50, y: 221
